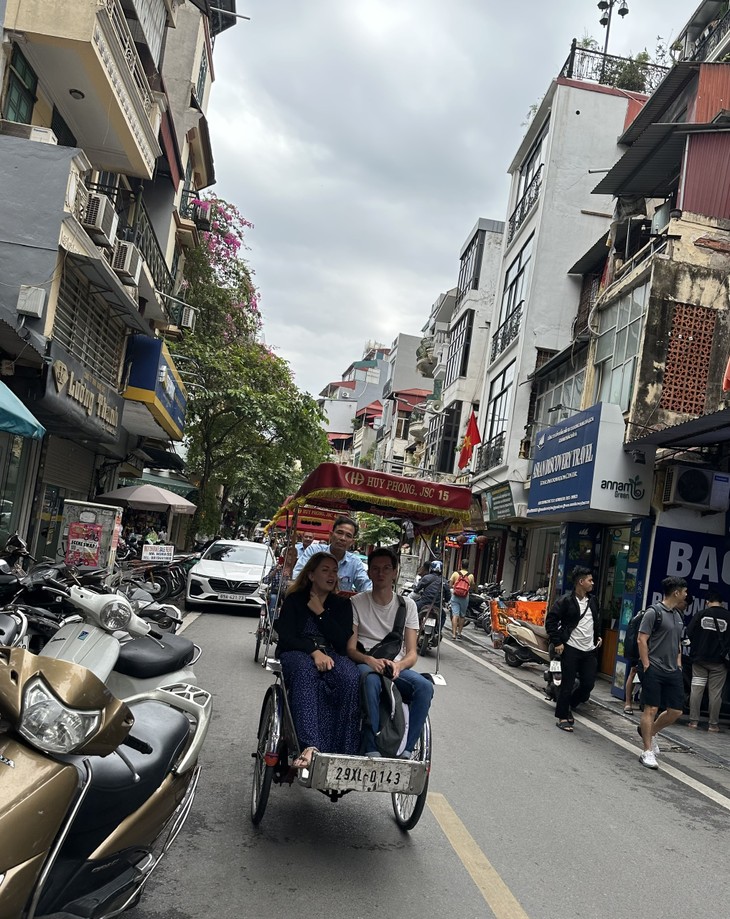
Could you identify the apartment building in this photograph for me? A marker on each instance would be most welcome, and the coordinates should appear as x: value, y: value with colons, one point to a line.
x: 95, y: 154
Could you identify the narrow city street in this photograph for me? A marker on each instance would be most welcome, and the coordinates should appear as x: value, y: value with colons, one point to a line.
x: 522, y: 820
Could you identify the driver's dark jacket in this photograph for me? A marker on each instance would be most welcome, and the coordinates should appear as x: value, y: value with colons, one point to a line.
x: 335, y: 624
x: 428, y: 590
x: 565, y: 615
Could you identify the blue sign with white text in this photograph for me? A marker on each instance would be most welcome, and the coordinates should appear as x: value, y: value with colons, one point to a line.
x: 562, y: 474
x: 702, y: 559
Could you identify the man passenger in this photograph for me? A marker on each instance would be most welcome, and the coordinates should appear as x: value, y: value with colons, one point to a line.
x: 351, y: 572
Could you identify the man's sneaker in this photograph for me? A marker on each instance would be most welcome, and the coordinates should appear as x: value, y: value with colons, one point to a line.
x: 648, y: 759
x: 655, y: 748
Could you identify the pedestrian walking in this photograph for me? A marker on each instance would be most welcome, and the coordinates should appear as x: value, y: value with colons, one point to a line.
x: 573, y: 626
x: 709, y: 635
x: 660, y: 666
x: 461, y: 583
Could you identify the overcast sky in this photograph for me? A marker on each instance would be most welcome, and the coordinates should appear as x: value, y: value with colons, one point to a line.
x: 363, y: 138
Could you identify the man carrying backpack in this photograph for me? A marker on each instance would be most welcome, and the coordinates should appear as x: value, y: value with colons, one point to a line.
x: 709, y: 634
x: 461, y: 583
x: 374, y: 615
x: 573, y: 626
x: 660, y: 666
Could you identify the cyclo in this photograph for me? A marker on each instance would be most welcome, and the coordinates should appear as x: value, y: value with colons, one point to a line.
x: 423, y: 508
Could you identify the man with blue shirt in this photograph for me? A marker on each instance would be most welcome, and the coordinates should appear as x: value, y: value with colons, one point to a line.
x: 353, y: 578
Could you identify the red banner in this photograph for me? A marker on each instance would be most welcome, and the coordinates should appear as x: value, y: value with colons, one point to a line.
x: 348, y: 489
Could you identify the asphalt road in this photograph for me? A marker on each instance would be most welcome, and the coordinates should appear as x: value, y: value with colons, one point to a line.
x: 523, y: 822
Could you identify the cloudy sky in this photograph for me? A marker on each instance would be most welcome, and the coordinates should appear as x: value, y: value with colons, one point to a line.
x: 364, y: 138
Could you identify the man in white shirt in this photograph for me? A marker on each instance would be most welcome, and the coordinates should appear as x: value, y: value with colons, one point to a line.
x: 573, y: 626
x: 374, y: 614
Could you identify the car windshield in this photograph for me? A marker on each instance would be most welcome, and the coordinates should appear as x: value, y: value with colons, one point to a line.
x: 244, y: 555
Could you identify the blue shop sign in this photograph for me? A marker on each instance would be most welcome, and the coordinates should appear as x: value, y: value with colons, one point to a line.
x: 580, y: 465
x: 702, y: 559
x: 153, y: 379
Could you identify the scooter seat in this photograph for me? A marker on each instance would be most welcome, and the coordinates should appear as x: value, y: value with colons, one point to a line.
x: 9, y: 629
x: 147, y: 657
x: 537, y: 629
x: 155, y: 742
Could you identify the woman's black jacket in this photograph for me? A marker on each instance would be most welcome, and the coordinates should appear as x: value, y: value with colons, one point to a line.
x: 564, y: 617
x: 335, y: 623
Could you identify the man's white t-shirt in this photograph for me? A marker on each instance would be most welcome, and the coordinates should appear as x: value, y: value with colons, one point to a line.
x: 582, y: 635
x: 374, y: 621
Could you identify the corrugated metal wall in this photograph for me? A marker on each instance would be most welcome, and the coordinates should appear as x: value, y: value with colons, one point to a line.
x: 707, y: 175
x: 713, y: 92
x: 69, y: 466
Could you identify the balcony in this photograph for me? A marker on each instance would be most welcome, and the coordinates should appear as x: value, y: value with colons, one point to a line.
x: 524, y: 205
x: 708, y: 48
x: 490, y: 454
x: 508, y: 331
x: 113, y: 113
x: 620, y: 72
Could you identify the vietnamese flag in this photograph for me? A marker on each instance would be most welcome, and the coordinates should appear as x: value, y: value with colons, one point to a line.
x: 726, y: 381
x: 471, y: 439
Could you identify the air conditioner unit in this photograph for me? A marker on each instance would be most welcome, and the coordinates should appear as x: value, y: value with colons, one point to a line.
x: 187, y: 318
x: 202, y: 214
x: 100, y: 220
x: 127, y: 262
x: 692, y: 486
x: 28, y: 132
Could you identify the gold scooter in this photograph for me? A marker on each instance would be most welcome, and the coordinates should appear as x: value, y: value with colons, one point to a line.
x: 93, y: 790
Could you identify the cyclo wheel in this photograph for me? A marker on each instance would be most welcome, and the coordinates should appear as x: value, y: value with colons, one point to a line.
x: 263, y: 774
x: 408, y: 808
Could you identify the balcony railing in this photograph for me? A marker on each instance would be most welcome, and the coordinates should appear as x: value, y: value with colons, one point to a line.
x: 491, y: 454
x: 508, y: 331
x: 128, y: 50
x: 524, y: 205
x: 620, y: 72
x: 136, y: 227
x: 705, y: 48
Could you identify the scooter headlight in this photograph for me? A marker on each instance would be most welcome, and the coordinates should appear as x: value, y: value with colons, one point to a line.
x: 115, y: 615
x: 49, y: 724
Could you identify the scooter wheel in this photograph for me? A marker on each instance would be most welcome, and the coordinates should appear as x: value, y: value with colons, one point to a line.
x: 511, y: 658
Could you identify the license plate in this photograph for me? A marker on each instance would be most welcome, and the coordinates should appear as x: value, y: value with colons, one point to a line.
x: 367, y: 775
x: 430, y: 622
x: 235, y: 598
x: 555, y: 667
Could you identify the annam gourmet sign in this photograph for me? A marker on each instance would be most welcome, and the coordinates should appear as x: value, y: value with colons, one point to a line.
x: 580, y: 465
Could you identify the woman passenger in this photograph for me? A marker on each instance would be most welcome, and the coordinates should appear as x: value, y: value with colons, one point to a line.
x: 323, y: 683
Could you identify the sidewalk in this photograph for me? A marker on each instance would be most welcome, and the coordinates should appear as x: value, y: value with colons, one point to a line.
x: 713, y: 748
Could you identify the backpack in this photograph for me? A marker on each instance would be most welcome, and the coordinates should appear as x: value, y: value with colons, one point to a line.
x: 631, y: 640
x: 390, y: 646
x: 461, y: 586
x: 392, y: 716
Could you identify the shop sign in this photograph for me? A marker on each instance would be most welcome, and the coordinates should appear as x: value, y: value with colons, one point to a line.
x: 75, y: 400
x: 154, y: 553
x: 500, y: 503
x: 153, y: 378
x: 580, y: 465
x: 702, y: 559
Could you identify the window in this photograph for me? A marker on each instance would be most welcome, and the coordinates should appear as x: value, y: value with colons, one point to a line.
x: 22, y: 84
x: 498, y: 407
x: 64, y: 135
x: 470, y: 266
x: 513, y: 296
x: 617, y: 347
x: 202, y: 76
x: 563, y: 386
x: 448, y: 437
x: 457, y: 361
x: 534, y: 160
x: 401, y: 425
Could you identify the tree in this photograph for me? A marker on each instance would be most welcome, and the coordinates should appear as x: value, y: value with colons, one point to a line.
x: 249, y: 429
x: 375, y: 530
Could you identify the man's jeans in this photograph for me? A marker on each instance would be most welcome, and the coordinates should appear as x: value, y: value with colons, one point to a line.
x: 415, y: 689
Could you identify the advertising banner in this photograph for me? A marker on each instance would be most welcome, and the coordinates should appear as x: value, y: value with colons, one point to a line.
x: 702, y: 559
x: 83, y: 547
x: 158, y: 553
x: 90, y: 534
x: 500, y: 503
x: 580, y: 465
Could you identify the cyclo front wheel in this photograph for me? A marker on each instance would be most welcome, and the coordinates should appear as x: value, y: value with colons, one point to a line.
x: 262, y: 773
x: 408, y: 808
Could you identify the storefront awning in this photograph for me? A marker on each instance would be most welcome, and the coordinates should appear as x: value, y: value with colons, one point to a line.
x: 705, y: 431
x: 15, y: 417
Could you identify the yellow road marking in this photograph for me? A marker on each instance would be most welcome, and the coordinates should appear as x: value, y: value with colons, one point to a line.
x: 491, y: 886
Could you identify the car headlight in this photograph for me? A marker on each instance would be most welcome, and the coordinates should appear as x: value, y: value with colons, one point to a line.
x: 115, y: 615
x: 49, y: 724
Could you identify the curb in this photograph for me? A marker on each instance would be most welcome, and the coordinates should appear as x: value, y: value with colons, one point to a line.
x: 713, y: 758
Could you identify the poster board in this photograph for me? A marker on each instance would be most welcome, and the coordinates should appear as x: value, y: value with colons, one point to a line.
x: 162, y: 554
x: 90, y: 534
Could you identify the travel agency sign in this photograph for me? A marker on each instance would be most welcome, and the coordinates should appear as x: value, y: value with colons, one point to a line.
x: 580, y: 465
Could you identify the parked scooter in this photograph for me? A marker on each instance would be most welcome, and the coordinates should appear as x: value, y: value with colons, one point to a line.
x: 93, y: 791
x: 529, y: 643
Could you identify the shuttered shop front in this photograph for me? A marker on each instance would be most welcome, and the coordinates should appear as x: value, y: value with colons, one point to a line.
x: 69, y: 466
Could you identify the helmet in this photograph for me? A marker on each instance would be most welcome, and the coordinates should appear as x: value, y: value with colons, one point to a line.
x: 436, y: 568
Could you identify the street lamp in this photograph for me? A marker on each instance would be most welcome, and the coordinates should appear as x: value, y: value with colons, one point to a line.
x: 606, y: 8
